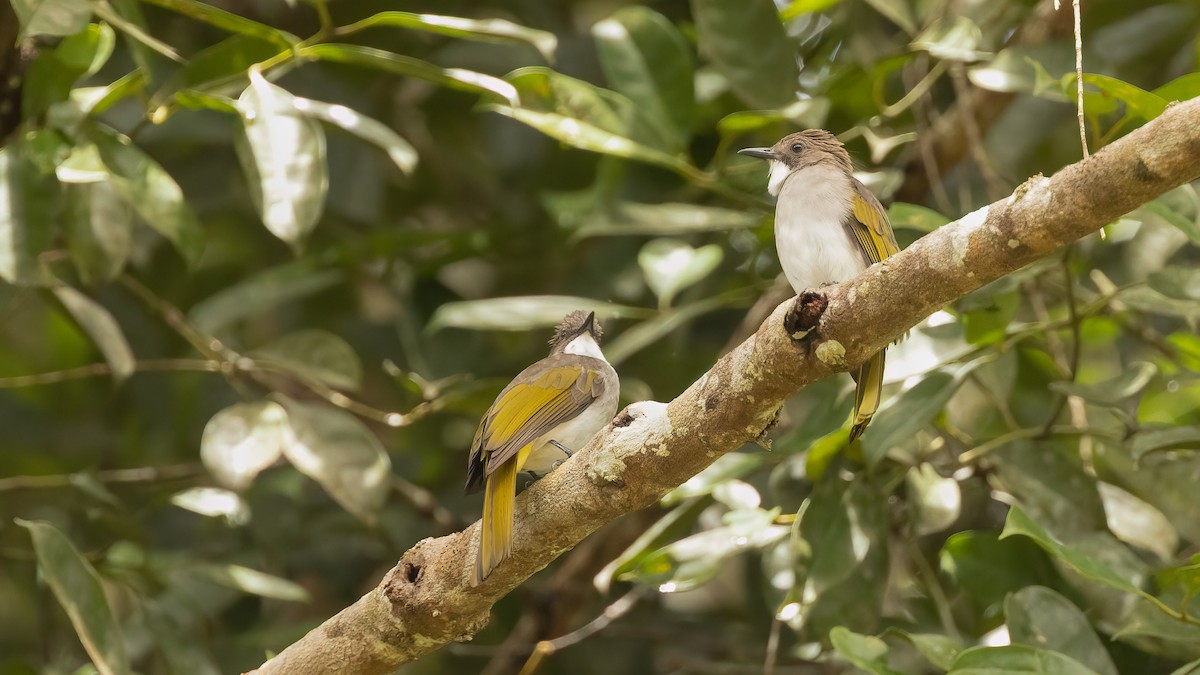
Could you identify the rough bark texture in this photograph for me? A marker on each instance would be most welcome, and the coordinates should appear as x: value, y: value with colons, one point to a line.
x: 426, y: 600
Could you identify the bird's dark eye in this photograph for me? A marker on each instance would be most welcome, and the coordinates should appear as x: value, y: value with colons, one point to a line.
x: 797, y: 147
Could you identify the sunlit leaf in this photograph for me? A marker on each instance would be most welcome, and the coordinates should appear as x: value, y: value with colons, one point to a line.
x: 737, y: 494
x: 1136, y: 522
x: 242, y: 440
x: 643, y: 334
x: 283, y: 155
x: 940, y: 650
x: 398, y: 150
x: 1177, y: 281
x: 727, y: 467
x: 215, y: 16
x: 915, y: 217
x: 936, y: 500
x: 214, y: 503
x: 523, y: 312
x: 1039, y: 617
x: 316, y: 354
x: 645, y: 58
x: 671, y: 527
x: 101, y: 327
x: 808, y: 112
x: 866, y: 652
x: 1113, y: 392
x: 78, y: 589
x: 99, y: 230
x: 51, y: 17
x: 1138, y: 102
x: 49, y: 78
x: 670, y: 266
x: 797, y: 8
x: 763, y: 76
x: 260, y: 293
x: 1158, y: 207
x: 150, y: 191
x: 135, y: 29
x: 482, y: 30
x: 27, y: 204
x: 1016, y: 660
x: 632, y: 218
x: 253, y: 582
x: 334, y: 448
x: 456, y: 78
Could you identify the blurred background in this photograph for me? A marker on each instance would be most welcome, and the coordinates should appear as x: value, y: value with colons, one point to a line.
x: 265, y: 265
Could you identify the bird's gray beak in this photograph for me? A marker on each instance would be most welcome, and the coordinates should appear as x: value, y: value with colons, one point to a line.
x: 758, y: 153
x: 591, y: 319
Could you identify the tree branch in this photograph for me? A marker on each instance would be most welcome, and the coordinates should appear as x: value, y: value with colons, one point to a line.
x: 426, y: 600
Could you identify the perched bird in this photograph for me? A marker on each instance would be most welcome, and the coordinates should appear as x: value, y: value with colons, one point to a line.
x: 828, y: 228
x: 550, y: 410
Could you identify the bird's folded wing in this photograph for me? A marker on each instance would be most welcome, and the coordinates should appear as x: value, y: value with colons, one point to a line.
x: 529, y: 409
x: 869, y: 226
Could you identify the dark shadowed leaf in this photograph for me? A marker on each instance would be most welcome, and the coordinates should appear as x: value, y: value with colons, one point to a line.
x: 940, y: 650
x: 101, y: 327
x: 645, y: 58
x: 763, y: 76
x: 900, y: 12
x: 27, y: 200
x: 150, y: 190
x: 523, y: 312
x: 455, y: 78
x: 989, y: 568
x: 1177, y: 281
x: 866, y: 652
x: 646, y: 333
x: 1050, y: 483
x: 1039, y: 617
x: 1148, y: 440
x: 283, y: 155
x: 317, y: 354
x: 1016, y: 660
x: 1115, y: 391
x: 482, y: 30
x: 915, y: 217
x: 261, y: 293
x: 51, y: 17
x: 808, y: 112
x: 99, y: 230
x: 78, y: 589
x: 215, y: 16
x: 334, y: 448
x: 902, y: 416
x: 1192, y: 668
x: 242, y: 440
x: 49, y: 78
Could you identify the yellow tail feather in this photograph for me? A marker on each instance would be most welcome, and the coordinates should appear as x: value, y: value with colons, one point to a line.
x: 869, y: 393
x: 495, y: 533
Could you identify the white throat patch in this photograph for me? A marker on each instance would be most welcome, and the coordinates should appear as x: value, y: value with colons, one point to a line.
x: 779, y: 173
x: 584, y: 345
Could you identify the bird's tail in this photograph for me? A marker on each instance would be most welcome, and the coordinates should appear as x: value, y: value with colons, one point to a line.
x: 495, y: 534
x: 869, y: 393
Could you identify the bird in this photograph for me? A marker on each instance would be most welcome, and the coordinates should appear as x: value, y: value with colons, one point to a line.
x: 549, y: 410
x: 828, y: 228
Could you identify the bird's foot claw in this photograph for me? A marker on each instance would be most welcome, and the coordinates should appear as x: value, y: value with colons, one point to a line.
x: 805, y: 314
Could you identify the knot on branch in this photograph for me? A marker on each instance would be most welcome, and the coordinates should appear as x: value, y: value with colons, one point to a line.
x: 805, y: 314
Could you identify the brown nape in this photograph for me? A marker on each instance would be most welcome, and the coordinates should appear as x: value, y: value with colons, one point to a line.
x: 572, y: 326
x: 812, y: 146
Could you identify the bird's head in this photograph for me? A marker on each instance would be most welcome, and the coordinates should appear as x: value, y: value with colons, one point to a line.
x: 577, y: 333
x: 798, y: 151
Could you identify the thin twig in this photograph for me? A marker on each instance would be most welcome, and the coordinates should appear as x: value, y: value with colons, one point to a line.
x: 1079, y: 79
x: 610, y: 614
x: 139, y: 475
x: 426, y: 504
x: 1033, y: 432
x: 104, y: 369
x: 962, y: 90
x: 773, y: 647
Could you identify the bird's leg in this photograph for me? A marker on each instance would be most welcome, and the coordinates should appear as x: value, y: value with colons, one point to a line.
x: 564, y: 450
x: 804, y: 314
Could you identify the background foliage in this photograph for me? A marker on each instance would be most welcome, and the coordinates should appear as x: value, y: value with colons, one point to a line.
x: 265, y: 265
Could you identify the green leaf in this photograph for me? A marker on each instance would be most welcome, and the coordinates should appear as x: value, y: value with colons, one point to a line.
x: 253, y: 582
x: 808, y: 112
x: 1138, y: 523
x: 78, y: 589
x: 222, y: 68
x: 398, y: 150
x: 675, y: 524
x: 150, y: 190
x: 50, y: 76
x: 1192, y: 668
x: 242, y: 440
x: 101, y: 327
x: 940, y: 650
x: 988, y: 568
x: 261, y: 293
x: 798, y: 8
x: 1138, y: 102
x: 1149, y: 630
x: 214, y: 16
x: 1049, y: 481
x: 632, y: 218
x: 1148, y: 440
x: 1158, y: 207
x: 135, y: 29
x: 1181, y: 88
x: 99, y: 228
x: 646, y: 333
x: 27, y: 200
x: 901, y: 417
x: 645, y: 58
x: 727, y: 467
x: 1039, y: 617
x: 1018, y: 523
x: 1177, y: 281
x: 315, y: 354
x: 1113, y: 392
x: 866, y: 652
x: 454, y: 78
x: 214, y: 503
x: 900, y: 12
x: 670, y: 266
x: 51, y: 17
x: 936, y: 501
x: 480, y: 30
x: 1016, y: 660
x: 1147, y: 299
x: 953, y: 39
x: 745, y: 41
x: 915, y: 217
x: 523, y: 312
x: 334, y: 448
x: 283, y: 155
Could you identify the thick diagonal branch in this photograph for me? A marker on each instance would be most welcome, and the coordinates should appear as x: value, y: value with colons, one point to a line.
x: 426, y: 600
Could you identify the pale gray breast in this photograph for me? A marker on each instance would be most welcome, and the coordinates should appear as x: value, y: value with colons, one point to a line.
x: 813, y: 245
